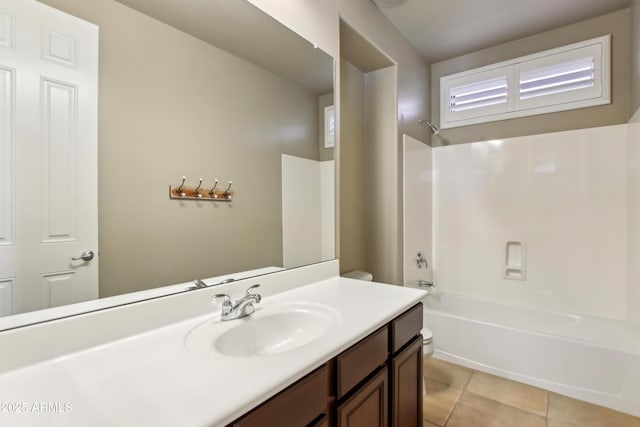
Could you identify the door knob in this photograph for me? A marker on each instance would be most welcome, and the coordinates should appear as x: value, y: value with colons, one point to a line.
x: 85, y: 256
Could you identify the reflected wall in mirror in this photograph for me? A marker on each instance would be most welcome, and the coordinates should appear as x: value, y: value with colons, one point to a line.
x: 184, y: 89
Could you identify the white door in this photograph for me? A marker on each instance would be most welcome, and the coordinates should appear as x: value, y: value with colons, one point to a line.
x: 48, y: 157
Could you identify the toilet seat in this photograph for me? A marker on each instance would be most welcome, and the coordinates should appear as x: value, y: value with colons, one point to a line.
x: 427, y: 335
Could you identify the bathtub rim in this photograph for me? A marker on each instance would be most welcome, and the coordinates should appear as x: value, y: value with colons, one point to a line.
x: 634, y: 326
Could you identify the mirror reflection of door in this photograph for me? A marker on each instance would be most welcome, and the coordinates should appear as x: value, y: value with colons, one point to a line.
x: 48, y: 157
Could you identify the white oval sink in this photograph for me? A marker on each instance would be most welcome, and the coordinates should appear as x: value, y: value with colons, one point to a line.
x: 272, y: 329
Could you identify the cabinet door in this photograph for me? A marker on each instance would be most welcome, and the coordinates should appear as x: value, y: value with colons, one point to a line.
x: 368, y: 407
x: 406, y: 386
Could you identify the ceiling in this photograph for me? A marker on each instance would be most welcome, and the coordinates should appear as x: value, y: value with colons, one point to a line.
x: 442, y: 29
x: 268, y: 44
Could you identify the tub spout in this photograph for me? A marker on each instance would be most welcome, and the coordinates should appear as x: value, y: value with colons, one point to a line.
x: 427, y: 285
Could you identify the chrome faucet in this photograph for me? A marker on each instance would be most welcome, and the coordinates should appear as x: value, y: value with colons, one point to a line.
x: 241, y: 308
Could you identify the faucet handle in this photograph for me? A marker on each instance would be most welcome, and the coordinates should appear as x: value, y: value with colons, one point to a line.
x: 252, y: 288
x: 226, y: 303
x: 227, y: 299
x: 257, y: 296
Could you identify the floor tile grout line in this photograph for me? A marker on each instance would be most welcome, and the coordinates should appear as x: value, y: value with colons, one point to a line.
x: 546, y: 413
x: 473, y: 373
x: 453, y: 408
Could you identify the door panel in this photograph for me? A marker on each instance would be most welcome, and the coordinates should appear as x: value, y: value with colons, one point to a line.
x: 59, y: 288
x: 7, y: 102
x: 58, y: 123
x: 59, y: 48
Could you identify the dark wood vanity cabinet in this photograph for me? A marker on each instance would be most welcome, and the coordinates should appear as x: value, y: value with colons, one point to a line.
x: 377, y: 382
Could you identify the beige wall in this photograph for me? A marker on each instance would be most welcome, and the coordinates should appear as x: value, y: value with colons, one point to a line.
x: 635, y: 59
x: 172, y: 105
x: 369, y: 224
x: 381, y: 178
x: 316, y: 21
x: 352, y: 214
x: 617, y: 24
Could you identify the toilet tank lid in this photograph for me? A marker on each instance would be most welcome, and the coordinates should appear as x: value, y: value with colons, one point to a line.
x: 360, y: 275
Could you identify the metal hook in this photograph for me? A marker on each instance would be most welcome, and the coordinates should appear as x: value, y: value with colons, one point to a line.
x: 211, y: 193
x: 226, y: 192
x: 197, y: 190
x: 179, y: 190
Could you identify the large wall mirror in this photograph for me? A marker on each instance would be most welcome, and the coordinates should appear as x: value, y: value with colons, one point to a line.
x: 216, y: 90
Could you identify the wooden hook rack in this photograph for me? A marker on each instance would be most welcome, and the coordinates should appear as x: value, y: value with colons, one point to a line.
x: 212, y: 194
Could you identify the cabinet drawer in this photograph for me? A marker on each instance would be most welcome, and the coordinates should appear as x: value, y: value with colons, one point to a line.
x: 296, y: 406
x: 356, y: 363
x: 405, y: 327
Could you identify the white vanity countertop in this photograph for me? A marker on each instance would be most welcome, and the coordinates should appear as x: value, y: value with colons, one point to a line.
x: 153, y: 379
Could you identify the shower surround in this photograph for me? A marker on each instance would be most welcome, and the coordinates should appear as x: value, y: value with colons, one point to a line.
x: 563, y: 209
x: 563, y: 197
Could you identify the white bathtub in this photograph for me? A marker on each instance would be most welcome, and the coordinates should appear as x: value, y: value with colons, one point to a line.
x: 591, y: 359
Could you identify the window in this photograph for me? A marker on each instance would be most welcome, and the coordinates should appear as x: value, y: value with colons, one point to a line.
x: 573, y: 76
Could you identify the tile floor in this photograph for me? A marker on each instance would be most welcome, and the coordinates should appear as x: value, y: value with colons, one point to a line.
x: 461, y: 397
